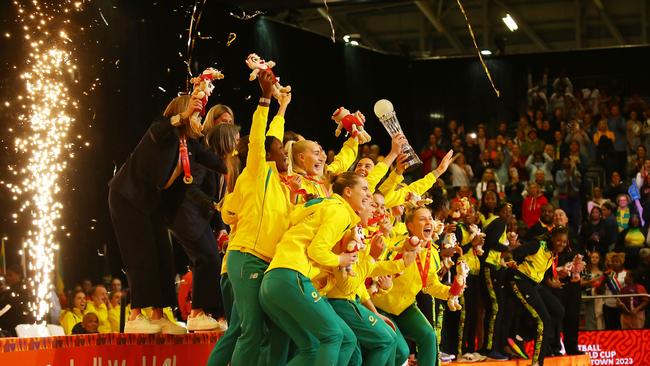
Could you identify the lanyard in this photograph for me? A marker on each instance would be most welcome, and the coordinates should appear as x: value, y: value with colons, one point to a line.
x: 185, y: 160
x: 554, y: 267
x: 424, y: 272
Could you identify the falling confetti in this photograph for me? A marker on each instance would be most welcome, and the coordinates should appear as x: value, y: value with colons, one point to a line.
x: 103, y: 18
x: 478, y: 50
x: 162, y: 89
x: 329, y: 19
x: 231, y: 38
x: 245, y: 16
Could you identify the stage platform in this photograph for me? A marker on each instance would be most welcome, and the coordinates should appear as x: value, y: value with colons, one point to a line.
x: 582, y: 360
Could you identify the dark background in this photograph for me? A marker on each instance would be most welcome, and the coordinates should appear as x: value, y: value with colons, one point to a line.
x: 135, y: 63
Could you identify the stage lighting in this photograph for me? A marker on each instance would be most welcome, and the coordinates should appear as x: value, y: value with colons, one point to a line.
x: 510, y: 23
x: 486, y: 52
x: 352, y: 39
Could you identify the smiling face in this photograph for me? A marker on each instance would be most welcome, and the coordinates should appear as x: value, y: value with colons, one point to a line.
x: 559, y: 242
x: 309, y: 158
x: 420, y: 223
x: 358, y: 195
x: 364, y: 166
x: 79, y: 301
x: 278, y: 154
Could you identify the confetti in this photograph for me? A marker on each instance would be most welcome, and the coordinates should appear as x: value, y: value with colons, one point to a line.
x: 245, y: 16
x: 478, y: 50
x: 162, y: 89
x: 329, y: 19
x: 102, y: 15
x: 231, y: 38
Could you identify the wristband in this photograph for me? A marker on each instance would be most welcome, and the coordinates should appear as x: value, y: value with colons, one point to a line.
x: 265, y: 101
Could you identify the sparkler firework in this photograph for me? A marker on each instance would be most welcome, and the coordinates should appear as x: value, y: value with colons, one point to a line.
x: 45, y: 122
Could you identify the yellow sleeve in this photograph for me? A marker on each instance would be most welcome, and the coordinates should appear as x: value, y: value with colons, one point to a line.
x: 396, y: 198
x: 276, y: 128
x: 390, y: 183
x: 335, y: 222
x: 375, y: 175
x: 434, y: 287
x: 68, y: 321
x: 114, y: 319
x: 230, y: 207
x: 345, y: 158
x: 385, y: 268
x: 256, y: 159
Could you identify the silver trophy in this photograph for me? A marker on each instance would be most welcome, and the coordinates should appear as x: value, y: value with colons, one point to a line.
x: 386, y: 113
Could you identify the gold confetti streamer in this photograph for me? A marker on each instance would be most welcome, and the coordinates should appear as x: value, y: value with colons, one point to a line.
x: 231, y: 38
x: 329, y: 19
x: 478, y: 51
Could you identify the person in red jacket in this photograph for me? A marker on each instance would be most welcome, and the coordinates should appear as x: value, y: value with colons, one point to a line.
x: 531, y: 209
x: 431, y: 155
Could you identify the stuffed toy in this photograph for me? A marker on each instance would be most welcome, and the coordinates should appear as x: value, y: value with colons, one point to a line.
x: 353, y: 124
x: 450, y: 242
x: 575, y: 267
x: 354, y: 245
x: 257, y: 64
x: 457, y: 288
x: 202, y: 90
x: 475, y: 231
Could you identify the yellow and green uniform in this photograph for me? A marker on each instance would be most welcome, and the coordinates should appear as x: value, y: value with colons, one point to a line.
x: 535, y: 258
x: 287, y: 294
x: 375, y: 337
x: 259, y: 206
x: 114, y: 318
x: 398, y: 196
x: 469, y: 316
x: 70, y: 318
x: 102, y: 314
x: 342, y: 161
x: 399, y: 303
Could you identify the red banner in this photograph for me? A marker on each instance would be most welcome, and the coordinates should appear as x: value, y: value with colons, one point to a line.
x: 620, y: 347
x: 109, y: 350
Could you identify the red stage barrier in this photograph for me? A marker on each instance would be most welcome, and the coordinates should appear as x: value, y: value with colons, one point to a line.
x: 109, y: 350
x: 629, y: 347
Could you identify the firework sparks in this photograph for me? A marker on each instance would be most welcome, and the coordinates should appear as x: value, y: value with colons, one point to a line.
x: 46, y: 121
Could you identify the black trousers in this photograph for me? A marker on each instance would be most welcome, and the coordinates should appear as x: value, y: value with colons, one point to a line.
x: 146, y: 253
x: 493, y: 291
x: 612, y: 318
x: 206, y: 267
x: 545, y: 308
x: 469, y: 316
x: 569, y: 296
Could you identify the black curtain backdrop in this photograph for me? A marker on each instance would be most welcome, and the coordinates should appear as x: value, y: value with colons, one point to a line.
x: 137, y: 64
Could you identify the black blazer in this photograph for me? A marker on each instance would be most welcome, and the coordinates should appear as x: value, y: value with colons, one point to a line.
x: 142, y: 177
x: 189, y: 208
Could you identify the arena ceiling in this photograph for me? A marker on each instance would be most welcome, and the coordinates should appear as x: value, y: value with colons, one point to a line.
x: 434, y: 28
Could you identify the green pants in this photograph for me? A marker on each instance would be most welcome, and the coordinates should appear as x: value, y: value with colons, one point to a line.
x: 245, y: 272
x: 412, y: 324
x: 296, y: 308
x: 222, y: 351
x: 378, y: 341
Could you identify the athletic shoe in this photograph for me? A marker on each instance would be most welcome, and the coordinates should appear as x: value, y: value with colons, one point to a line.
x: 203, y: 322
x: 496, y: 356
x: 445, y: 358
x: 518, y: 348
x: 141, y: 324
x: 469, y: 357
x: 479, y: 356
x: 169, y: 327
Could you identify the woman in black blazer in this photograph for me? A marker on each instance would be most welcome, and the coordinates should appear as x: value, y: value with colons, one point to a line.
x: 136, y: 209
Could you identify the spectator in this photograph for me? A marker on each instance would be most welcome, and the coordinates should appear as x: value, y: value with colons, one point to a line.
x: 482, y: 186
x: 501, y: 168
x: 597, y: 198
x: 74, y: 315
x: 546, y: 185
x: 539, y: 161
x: 560, y: 148
x: 218, y: 114
x: 116, y: 284
x: 615, y: 187
x: 98, y: 304
x: 604, y: 141
x: 481, y: 137
x: 631, y: 240
x: 577, y: 159
x: 533, y: 144
x: 603, y: 132
x: 518, y: 161
x: 611, y: 227
x: 87, y: 287
x: 115, y: 300
x: 576, y: 133
x: 634, y: 132
x: 514, y: 190
x: 531, y: 209
x: 633, y: 308
x: 89, y: 325
x: 614, y: 276
x: 623, y: 212
x: 544, y: 225
x: 593, y: 309
x: 13, y: 292
x: 568, y: 181
x: 637, y: 161
x: 429, y: 156
x: 461, y: 172
x: 618, y: 125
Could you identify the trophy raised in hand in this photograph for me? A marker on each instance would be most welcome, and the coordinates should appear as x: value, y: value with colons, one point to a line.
x: 386, y: 113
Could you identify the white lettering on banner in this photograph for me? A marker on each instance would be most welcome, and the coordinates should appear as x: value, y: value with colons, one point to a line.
x: 604, y: 357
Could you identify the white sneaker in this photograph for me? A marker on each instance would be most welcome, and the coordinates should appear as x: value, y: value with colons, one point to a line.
x: 141, y: 324
x: 169, y: 327
x: 204, y: 322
